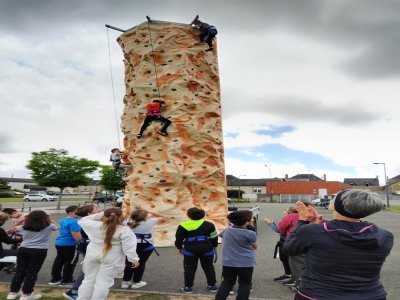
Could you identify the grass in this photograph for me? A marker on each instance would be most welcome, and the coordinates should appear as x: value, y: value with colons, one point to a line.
x: 393, y: 208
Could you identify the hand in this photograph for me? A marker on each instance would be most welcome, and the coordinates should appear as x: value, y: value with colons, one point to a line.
x: 268, y: 221
x: 306, y: 213
x: 135, y: 265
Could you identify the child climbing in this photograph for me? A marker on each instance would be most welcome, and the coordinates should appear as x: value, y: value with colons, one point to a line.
x: 116, y: 158
x: 207, y: 32
x: 154, y: 114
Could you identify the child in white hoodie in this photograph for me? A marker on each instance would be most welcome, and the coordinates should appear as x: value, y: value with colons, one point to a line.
x: 109, y: 240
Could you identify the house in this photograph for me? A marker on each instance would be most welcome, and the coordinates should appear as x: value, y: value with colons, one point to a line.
x: 371, y: 184
x: 394, y: 185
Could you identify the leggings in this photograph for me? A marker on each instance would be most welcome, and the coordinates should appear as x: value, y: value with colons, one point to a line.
x: 29, y: 263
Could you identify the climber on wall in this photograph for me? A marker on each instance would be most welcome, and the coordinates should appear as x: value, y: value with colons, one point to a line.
x: 116, y: 157
x: 207, y: 32
x: 154, y: 114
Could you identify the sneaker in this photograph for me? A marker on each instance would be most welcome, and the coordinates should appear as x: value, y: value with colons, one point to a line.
x: 67, y: 283
x: 138, y: 136
x: 13, y: 295
x: 187, y: 290
x: 231, y: 292
x: 31, y: 296
x: 125, y: 284
x: 138, y: 285
x: 163, y: 133
x: 289, y: 283
x: 70, y: 294
x: 210, y: 49
x: 55, y: 282
x: 212, y: 288
x: 283, y: 278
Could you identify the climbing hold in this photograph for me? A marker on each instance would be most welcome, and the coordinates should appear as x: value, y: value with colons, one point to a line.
x: 162, y: 181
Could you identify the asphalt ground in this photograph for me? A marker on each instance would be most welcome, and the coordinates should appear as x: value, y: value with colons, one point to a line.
x: 164, y: 273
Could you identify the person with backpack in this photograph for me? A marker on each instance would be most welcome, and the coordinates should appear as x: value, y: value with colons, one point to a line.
x: 196, y: 239
x: 142, y: 226
x: 207, y: 33
x: 154, y: 114
x: 36, y: 229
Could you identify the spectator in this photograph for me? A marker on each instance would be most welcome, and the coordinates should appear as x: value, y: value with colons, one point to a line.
x: 142, y: 227
x: 238, y: 256
x: 109, y: 241
x: 66, y: 242
x: 36, y: 230
x: 196, y: 240
x: 344, y: 256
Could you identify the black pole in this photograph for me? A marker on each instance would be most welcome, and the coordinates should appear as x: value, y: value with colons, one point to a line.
x: 115, y: 28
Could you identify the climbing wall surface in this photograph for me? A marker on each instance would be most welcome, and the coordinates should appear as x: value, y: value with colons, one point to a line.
x: 186, y: 168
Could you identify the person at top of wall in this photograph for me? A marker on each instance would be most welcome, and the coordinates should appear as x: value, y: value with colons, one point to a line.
x: 116, y: 157
x: 154, y: 114
x: 207, y: 33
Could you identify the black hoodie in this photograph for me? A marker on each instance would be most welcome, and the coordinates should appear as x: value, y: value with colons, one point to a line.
x: 343, y: 259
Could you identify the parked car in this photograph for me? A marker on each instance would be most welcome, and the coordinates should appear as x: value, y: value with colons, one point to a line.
x: 316, y: 202
x: 102, y: 197
x: 39, y: 197
x: 326, y: 200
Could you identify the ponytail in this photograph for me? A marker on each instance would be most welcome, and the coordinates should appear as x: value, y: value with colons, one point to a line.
x: 111, y: 220
x: 137, y: 216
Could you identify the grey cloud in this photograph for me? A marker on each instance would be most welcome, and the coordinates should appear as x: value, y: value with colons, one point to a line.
x: 6, y: 141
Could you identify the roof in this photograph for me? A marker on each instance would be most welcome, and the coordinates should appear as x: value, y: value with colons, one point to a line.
x: 362, y: 181
x: 304, y: 177
x: 234, y: 181
x: 307, y: 188
x: 12, y: 179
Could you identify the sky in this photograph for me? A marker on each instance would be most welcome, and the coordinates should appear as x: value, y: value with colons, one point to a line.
x: 306, y: 86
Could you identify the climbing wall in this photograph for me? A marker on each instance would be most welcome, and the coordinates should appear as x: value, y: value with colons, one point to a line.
x: 172, y: 174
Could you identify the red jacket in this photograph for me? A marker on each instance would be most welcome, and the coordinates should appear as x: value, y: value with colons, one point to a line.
x: 287, y: 224
x: 153, y: 109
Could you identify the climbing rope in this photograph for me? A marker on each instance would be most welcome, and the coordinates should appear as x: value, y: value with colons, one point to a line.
x: 113, y: 90
x: 154, y: 61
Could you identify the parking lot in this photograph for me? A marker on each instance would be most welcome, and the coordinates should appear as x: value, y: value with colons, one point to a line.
x: 164, y: 273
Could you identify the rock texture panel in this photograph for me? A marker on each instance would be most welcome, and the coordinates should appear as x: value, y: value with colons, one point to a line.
x: 186, y: 169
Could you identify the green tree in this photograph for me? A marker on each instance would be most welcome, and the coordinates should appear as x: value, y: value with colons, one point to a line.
x: 4, y: 185
x: 55, y: 168
x: 111, y: 179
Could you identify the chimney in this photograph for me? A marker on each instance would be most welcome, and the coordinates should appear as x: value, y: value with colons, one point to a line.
x: 324, y: 177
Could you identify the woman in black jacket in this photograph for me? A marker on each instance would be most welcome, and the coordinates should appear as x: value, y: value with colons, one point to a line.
x: 344, y: 256
x: 4, y: 238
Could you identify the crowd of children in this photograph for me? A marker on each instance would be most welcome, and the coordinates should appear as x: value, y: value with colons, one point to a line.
x: 103, y: 238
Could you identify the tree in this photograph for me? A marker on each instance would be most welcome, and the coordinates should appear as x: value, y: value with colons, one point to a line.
x: 55, y: 168
x: 4, y: 185
x: 111, y: 179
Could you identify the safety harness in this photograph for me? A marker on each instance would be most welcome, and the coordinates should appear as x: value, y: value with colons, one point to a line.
x: 143, y: 238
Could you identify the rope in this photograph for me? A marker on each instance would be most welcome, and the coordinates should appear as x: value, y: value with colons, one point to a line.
x: 154, y: 62
x: 113, y: 90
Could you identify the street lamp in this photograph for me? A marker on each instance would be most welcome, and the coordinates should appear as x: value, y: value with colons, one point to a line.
x: 240, y: 196
x: 386, y: 182
x: 270, y: 180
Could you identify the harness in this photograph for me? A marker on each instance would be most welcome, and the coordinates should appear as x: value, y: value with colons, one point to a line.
x: 143, y: 238
x: 196, y: 239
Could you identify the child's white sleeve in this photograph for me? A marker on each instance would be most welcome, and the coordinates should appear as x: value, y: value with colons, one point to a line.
x: 129, y: 242
x: 89, y: 220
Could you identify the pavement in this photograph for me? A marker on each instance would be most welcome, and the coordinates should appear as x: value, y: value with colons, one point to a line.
x: 164, y: 273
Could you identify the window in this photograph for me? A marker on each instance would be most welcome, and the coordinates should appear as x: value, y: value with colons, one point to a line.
x: 257, y: 190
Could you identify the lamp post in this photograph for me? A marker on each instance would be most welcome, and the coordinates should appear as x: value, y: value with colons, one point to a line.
x: 270, y: 180
x: 240, y: 196
x: 386, y: 182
